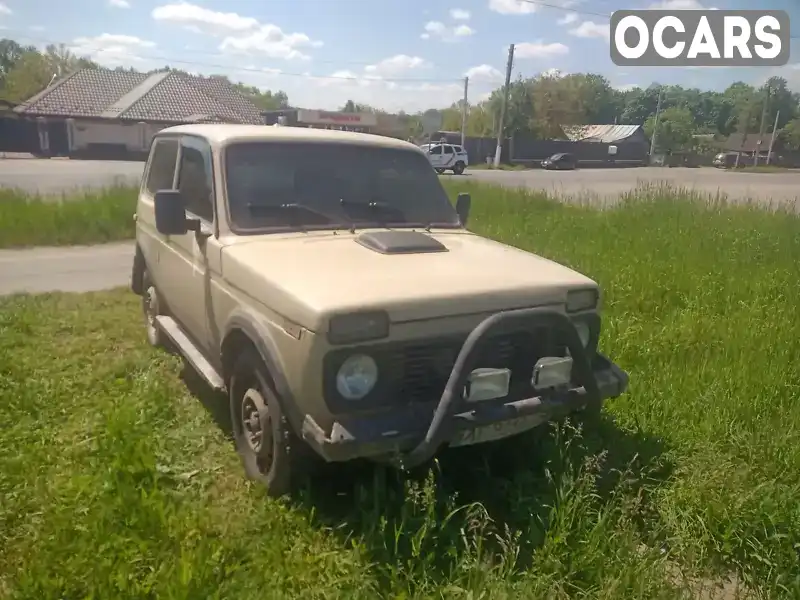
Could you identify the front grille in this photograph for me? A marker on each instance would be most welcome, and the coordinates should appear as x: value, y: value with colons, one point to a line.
x: 420, y: 370
x: 417, y: 371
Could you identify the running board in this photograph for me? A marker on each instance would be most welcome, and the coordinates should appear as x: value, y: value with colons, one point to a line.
x: 190, y: 352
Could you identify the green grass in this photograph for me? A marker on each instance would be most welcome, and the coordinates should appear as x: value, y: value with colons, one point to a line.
x: 80, y: 217
x: 763, y: 169
x: 502, y: 167
x: 117, y: 479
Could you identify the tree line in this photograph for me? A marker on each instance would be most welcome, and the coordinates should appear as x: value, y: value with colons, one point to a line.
x: 537, y: 106
x: 540, y: 105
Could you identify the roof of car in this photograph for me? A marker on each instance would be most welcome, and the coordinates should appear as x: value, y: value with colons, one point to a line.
x: 220, y: 134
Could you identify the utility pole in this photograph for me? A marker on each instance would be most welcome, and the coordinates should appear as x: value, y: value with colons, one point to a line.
x: 761, y: 127
x: 502, y: 123
x: 464, y: 112
x: 655, y: 124
x: 772, y: 139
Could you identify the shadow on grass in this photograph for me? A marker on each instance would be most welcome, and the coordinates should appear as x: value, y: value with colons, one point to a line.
x: 514, y: 485
x: 502, y: 499
x: 214, y: 402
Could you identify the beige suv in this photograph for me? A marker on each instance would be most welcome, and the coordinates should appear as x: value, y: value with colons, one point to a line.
x: 324, y: 281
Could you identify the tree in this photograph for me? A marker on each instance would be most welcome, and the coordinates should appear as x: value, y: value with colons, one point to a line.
x: 790, y: 135
x: 675, y: 128
x: 29, y: 76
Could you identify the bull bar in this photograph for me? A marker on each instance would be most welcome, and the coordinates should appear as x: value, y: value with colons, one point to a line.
x: 417, y: 448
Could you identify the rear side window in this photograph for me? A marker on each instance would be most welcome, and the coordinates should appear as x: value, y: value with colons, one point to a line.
x: 163, y: 157
x: 448, y: 149
x: 458, y: 149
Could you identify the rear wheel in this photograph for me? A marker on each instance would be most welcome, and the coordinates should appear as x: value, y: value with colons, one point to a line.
x: 458, y: 168
x: 270, y: 451
x: 151, y: 308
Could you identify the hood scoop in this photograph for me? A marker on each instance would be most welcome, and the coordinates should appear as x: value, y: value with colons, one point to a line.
x: 400, y: 242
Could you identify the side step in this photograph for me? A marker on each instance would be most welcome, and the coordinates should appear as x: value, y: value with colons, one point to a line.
x: 190, y: 352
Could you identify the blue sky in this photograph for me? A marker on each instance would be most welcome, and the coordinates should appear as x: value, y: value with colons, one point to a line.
x: 394, y: 54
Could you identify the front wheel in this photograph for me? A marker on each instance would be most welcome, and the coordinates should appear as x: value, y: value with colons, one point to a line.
x: 439, y: 171
x: 270, y: 451
x: 458, y: 168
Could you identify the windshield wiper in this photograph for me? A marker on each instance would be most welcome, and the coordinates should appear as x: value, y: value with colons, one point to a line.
x: 335, y: 219
x: 375, y: 206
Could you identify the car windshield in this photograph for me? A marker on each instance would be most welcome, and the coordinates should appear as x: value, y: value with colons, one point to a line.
x: 319, y: 185
x: 556, y: 156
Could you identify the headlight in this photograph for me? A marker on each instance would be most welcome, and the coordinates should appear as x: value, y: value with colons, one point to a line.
x: 584, y: 333
x: 358, y: 327
x: 578, y: 300
x: 356, y: 377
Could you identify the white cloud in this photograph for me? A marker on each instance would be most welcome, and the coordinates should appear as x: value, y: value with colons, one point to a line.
x: 37, y: 28
x: 119, y: 3
x: 484, y: 72
x: 459, y: 14
x: 112, y: 50
x: 437, y: 29
x: 395, y: 66
x: 512, y: 7
x: 385, y: 84
x: 590, y: 29
x: 4, y: 10
x: 540, y: 50
x: 568, y: 18
x: 241, y: 34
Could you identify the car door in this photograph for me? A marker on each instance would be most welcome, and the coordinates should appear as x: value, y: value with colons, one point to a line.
x: 448, y: 156
x: 159, y: 174
x: 436, y: 156
x: 191, y: 251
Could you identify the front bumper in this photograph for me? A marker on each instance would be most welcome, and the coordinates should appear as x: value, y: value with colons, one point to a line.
x: 412, y: 434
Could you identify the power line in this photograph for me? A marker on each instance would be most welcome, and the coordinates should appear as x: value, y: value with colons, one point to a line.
x: 264, y: 71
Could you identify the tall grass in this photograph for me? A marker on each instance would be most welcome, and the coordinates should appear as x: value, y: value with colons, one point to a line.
x: 89, y: 217
x: 117, y: 478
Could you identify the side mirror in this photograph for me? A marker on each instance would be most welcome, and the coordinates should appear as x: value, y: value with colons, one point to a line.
x: 463, y: 204
x: 170, y: 213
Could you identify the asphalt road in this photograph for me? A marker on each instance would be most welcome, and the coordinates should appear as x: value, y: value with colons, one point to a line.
x: 53, y: 177
x: 75, y: 269
x: 609, y: 184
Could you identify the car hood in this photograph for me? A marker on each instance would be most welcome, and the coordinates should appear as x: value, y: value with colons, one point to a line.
x: 308, y: 277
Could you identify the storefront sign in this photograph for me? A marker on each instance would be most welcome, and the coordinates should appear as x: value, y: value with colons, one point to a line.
x: 322, y: 117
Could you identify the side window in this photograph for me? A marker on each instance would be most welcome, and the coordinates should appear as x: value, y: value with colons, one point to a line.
x: 448, y: 149
x: 194, y: 179
x: 163, y: 156
x: 437, y: 150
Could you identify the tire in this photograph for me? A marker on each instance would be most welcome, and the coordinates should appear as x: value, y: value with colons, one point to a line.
x: 458, y: 168
x: 439, y: 171
x: 152, y: 306
x: 271, y: 453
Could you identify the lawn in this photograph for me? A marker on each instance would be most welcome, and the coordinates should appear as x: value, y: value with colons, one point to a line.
x: 117, y: 478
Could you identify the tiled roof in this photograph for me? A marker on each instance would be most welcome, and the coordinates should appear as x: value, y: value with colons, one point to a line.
x: 165, y: 96
x: 601, y: 133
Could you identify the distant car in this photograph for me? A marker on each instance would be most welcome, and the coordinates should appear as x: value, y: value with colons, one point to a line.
x: 561, y: 160
x: 447, y: 157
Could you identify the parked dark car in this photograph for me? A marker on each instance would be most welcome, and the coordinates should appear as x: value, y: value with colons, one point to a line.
x: 562, y: 160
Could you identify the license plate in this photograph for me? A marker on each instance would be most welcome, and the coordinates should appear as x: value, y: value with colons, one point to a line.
x: 497, y: 431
